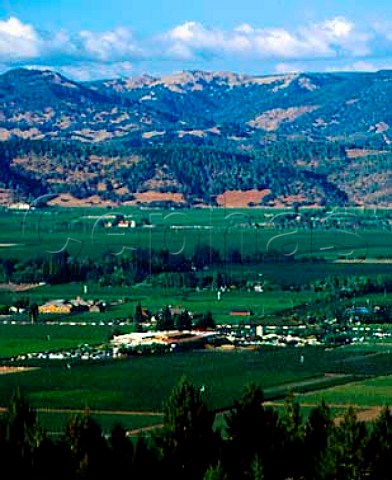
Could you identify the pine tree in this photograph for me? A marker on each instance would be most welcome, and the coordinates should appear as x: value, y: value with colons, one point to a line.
x: 293, y: 438
x: 33, y: 312
x: 253, y: 431
x: 88, y: 447
x: 215, y: 473
x: 318, y: 432
x: 21, y: 436
x: 183, y: 321
x: 348, y: 447
x: 121, y: 458
x: 256, y: 469
x: 187, y: 442
x: 379, y: 450
x: 138, y: 314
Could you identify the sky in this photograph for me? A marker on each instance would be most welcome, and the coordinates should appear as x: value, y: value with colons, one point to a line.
x: 94, y: 39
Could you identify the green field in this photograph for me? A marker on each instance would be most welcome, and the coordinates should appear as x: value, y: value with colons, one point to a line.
x: 19, y: 339
x: 32, y: 233
x: 372, y: 392
x: 143, y: 383
x: 55, y: 422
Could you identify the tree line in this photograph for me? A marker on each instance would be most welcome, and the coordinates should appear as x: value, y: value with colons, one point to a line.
x: 256, y: 442
x: 128, y: 268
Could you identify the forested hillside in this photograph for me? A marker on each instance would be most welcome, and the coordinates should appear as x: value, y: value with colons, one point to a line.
x: 189, y: 138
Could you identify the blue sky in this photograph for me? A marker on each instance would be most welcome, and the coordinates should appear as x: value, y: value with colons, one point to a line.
x: 110, y: 38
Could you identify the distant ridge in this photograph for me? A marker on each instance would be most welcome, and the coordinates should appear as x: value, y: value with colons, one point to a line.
x: 316, y: 128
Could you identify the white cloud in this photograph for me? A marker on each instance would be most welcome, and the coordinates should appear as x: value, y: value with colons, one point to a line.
x: 244, y: 28
x: 185, y: 32
x: 334, y: 37
x: 338, y: 27
x: 21, y: 42
x: 17, y: 41
x: 89, y: 54
x: 111, y: 45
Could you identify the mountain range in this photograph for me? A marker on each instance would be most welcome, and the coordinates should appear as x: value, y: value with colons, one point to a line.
x: 199, y: 138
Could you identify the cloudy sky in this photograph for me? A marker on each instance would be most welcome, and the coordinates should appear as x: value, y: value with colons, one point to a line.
x: 89, y: 39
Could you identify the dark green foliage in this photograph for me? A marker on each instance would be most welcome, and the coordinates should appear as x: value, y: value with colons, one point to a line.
x: 293, y: 448
x: 200, y: 172
x: 379, y: 449
x: 121, y: 454
x: 88, y: 447
x: 256, y: 469
x: 183, y: 321
x: 206, y: 321
x: 348, y: 447
x: 20, y: 437
x: 215, y: 473
x: 33, y: 312
x: 254, y: 431
x: 261, y: 444
x: 165, y: 319
x: 318, y: 430
x: 138, y: 313
x: 187, y: 442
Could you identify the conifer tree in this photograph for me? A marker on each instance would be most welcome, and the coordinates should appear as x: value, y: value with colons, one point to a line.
x: 187, y: 442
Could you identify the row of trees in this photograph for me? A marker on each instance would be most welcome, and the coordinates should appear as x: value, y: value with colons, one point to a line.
x: 125, y: 269
x: 258, y: 442
x: 182, y: 320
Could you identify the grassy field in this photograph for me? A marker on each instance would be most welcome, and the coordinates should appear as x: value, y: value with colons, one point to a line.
x: 143, y: 383
x: 23, y: 235
x: 18, y: 339
x: 371, y: 392
x: 341, y: 376
x: 55, y: 422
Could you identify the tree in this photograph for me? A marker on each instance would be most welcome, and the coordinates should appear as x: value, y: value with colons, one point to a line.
x: 215, y: 473
x: 145, y: 459
x: 379, y: 449
x: 165, y: 320
x: 47, y: 459
x: 187, y: 442
x: 138, y: 313
x: 88, y: 447
x: 20, y: 436
x: 256, y: 469
x: 318, y: 431
x: 293, y: 437
x: 348, y: 448
x: 121, y: 458
x: 33, y: 312
x: 183, y: 321
x: 206, y: 321
x: 253, y: 431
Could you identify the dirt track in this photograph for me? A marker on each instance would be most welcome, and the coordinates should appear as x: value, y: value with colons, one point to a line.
x: 92, y: 412
x: 5, y: 370
x: 365, y: 413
